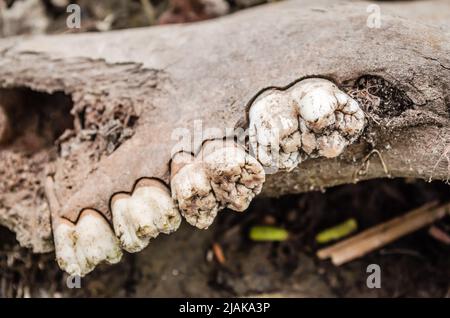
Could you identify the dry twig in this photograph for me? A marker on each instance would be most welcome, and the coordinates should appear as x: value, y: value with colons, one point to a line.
x: 382, y: 234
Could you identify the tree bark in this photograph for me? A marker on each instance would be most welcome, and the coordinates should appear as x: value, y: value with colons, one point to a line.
x: 154, y: 81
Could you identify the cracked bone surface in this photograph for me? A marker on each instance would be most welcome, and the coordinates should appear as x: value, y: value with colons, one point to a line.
x: 141, y: 216
x: 223, y: 175
x: 312, y: 118
x: 82, y: 246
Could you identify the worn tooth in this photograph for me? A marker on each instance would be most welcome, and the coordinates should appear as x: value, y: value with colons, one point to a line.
x: 331, y: 146
x: 309, y: 143
x: 236, y: 177
x: 273, y: 131
x: 143, y: 215
x: 222, y: 175
x: 291, y: 144
x: 124, y: 224
x: 322, y: 104
x: 95, y: 242
x: 323, y: 107
x: 81, y: 247
x: 327, y: 121
x: 158, y: 201
x: 65, y: 241
x: 351, y: 122
x: 140, y: 217
x: 316, y: 103
x: 192, y: 191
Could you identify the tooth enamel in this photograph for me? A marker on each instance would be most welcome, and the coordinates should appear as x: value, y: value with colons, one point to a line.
x: 222, y: 175
x: 80, y: 248
x: 236, y: 177
x: 291, y: 144
x: 65, y: 242
x: 274, y: 124
x: 316, y: 105
x: 164, y: 216
x: 312, y: 117
x: 192, y: 191
x: 309, y: 142
x: 96, y: 242
x: 143, y: 215
x: 331, y: 146
x: 124, y: 226
x: 351, y: 119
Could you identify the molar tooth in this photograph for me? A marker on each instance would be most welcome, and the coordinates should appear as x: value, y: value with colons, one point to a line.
x: 316, y: 104
x: 236, y: 177
x: 143, y: 215
x: 65, y: 241
x: 273, y: 123
x: 158, y: 203
x: 324, y: 105
x: 222, y: 175
x: 96, y: 242
x: 331, y: 146
x: 328, y: 120
x: 81, y: 247
x: 192, y: 191
x: 309, y: 142
x: 125, y: 225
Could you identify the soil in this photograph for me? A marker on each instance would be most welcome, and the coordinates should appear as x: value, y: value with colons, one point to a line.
x: 183, y: 264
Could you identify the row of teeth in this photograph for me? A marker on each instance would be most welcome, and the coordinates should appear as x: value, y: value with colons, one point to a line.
x: 313, y: 118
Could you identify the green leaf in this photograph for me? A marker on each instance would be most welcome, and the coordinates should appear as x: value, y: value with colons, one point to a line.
x: 337, y: 232
x: 268, y: 233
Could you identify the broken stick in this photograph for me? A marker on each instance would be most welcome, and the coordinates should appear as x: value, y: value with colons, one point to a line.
x: 328, y: 251
x: 384, y: 233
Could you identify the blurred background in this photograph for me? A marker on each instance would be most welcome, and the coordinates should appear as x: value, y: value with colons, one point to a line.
x: 49, y: 16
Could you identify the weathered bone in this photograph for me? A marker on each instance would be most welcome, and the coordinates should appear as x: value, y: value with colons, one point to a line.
x: 215, y: 72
